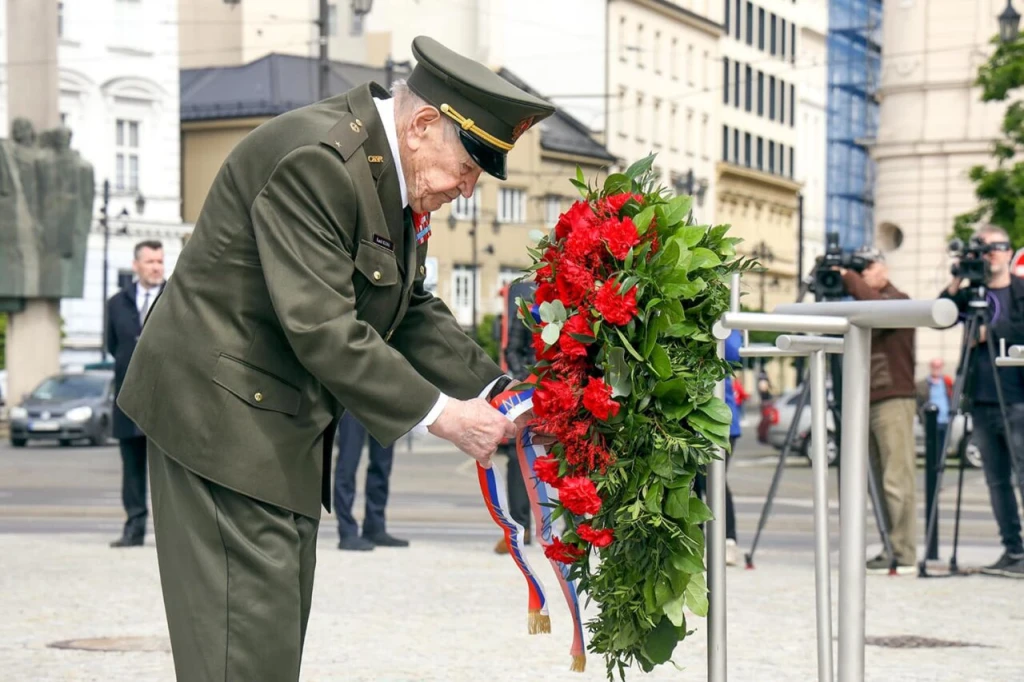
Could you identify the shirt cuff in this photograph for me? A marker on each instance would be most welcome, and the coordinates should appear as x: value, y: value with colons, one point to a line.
x: 487, y: 389
x: 435, y: 412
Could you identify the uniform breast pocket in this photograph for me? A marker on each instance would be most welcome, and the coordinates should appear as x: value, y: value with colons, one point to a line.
x: 378, y: 286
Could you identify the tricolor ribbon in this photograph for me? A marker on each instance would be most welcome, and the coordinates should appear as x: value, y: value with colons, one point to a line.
x: 421, y: 224
x: 512, y: 404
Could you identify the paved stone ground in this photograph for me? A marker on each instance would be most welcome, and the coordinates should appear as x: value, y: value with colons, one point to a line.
x: 447, y: 612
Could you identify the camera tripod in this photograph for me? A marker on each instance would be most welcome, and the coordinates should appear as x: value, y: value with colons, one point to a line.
x: 978, y: 316
x: 834, y: 406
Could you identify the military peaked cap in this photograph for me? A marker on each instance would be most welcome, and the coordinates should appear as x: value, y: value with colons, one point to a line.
x: 491, y: 112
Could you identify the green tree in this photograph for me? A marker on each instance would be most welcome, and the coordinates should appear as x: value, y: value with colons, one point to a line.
x: 485, y: 336
x: 1001, y: 189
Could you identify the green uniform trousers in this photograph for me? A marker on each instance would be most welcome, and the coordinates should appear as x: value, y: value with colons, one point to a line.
x: 894, y: 457
x: 237, y: 578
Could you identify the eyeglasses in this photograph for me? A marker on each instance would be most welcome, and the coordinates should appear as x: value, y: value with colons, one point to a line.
x: 999, y: 246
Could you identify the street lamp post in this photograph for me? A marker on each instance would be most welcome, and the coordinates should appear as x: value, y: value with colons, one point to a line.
x: 1009, y: 24
x: 105, y: 223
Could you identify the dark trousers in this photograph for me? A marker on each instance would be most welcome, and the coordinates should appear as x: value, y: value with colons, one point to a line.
x: 133, y: 486
x: 998, y: 461
x: 700, y: 484
x: 518, y: 499
x: 351, y: 437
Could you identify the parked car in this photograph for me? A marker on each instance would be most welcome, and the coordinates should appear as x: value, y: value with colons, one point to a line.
x: 778, y: 415
x: 66, y: 407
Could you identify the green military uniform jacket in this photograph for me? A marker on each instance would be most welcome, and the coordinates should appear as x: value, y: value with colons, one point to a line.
x: 299, y: 295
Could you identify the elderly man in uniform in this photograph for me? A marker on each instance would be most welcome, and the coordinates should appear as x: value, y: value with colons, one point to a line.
x: 300, y: 296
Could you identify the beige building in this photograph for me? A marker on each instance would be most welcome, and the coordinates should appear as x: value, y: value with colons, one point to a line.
x: 932, y: 129
x: 221, y: 105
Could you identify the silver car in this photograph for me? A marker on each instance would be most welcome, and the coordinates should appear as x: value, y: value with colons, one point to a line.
x: 66, y: 407
x: 782, y: 410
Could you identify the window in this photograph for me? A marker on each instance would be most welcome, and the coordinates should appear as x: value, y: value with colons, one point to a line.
x: 640, y: 46
x: 771, y: 98
x: 127, y: 155
x: 622, y: 39
x: 464, y: 209
x: 736, y: 84
x: 772, y: 41
x: 792, y: 43
x: 355, y: 22
x: 728, y: 5
x: 688, y: 133
x: 672, y: 123
x: 792, y: 165
x: 656, y: 127
x: 725, y: 134
x: 689, y: 64
x: 735, y: 146
x: 639, y: 124
x: 760, y: 93
x: 657, y: 52
x: 704, y: 136
x: 620, y: 123
x: 332, y: 19
x: 782, y: 159
x: 746, y: 149
x: 782, y: 51
x: 750, y: 24
x: 749, y: 86
x: 739, y: 21
x: 771, y: 156
x: 552, y: 209
x: 673, y: 57
x: 506, y: 275
x: 706, y: 76
x: 60, y: 19
x: 792, y: 106
x: 725, y: 76
x: 462, y: 294
x: 760, y: 153
x: 760, y: 29
x: 511, y: 205
x: 782, y: 102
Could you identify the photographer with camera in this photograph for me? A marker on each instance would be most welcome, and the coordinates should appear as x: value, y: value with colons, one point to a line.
x: 893, y: 398
x: 982, y: 279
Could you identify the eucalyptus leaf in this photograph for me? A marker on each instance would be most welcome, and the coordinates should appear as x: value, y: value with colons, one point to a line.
x: 618, y: 373
x: 551, y: 333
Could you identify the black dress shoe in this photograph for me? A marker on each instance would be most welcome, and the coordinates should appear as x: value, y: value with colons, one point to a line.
x: 385, y: 540
x: 127, y: 542
x: 355, y: 543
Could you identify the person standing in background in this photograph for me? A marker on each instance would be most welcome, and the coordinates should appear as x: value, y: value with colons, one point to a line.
x: 126, y: 313
x: 937, y: 389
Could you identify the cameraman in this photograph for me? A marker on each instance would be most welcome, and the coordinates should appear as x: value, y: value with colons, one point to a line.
x: 893, y: 404
x: 1000, y: 455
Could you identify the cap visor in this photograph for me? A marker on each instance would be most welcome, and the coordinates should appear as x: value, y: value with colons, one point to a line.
x: 492, y: 161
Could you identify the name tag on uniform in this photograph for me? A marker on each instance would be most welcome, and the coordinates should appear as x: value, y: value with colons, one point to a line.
x: 382, y: 241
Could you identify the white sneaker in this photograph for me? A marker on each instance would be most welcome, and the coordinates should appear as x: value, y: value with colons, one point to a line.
x: 730, y: 552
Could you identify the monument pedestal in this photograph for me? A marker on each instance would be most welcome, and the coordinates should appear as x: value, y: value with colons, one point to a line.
x: 33, y: 346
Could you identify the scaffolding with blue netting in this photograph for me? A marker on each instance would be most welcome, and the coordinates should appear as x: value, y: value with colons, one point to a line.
x: 854, y: 66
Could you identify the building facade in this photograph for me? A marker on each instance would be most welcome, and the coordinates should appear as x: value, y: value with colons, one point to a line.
x: 118, y: 80
x: 932, y: 129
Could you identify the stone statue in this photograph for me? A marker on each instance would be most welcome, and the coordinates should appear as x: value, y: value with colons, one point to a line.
x: 46, y: 209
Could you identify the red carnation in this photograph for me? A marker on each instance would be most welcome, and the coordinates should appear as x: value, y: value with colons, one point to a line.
x: 545, y: 273
x: 554, y: 399
x: 579, y: 495
x: 598, y: 538
x: 577, y: 324
x: 546, y: 292
x: 574, y: 283
x: 559, y: 551
x: 597, y: 397
x: 546, y: 469
x: 614, y: 203
x: 582, y: 242
x: 615, y: 308
x: 579, y: 215
x: 621, y: 236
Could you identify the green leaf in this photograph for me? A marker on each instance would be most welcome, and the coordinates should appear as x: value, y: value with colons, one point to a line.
x: 649, y: 601
x: 677, y: 503
x: 661, y: 464
x: 682, y: 330
x: 618, y: 373
x: 640, y: 167
x: 628, y: 263
x: 705, y: 425
x: 697, y: 595
x: 654, y: 328
x: 717, y: 410
x: 661, y: 363
x: 551, y: 333
x: 677, y: 209
x: 704, y: 258
x: 678, y: 579
x: 699, y: 512
x: 688, y: 562
x: 652, y: 500
x: 673, y: 388
x: 673, y: 610
x: 579, y: 176
x: 681, y: 481
x: 552, y: 311
x: 617, y: 183
x: 676, y: 411
x: 661, y: 642
x: 642, y: 220
x: 662, y: 591
x: 691, y: 235
x: 691, y: 289
x: 628, y: 345
x: 582, y: 187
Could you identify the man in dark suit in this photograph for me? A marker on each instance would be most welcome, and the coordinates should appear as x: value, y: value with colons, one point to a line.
x: 126, y: 313
x: 301, y: 296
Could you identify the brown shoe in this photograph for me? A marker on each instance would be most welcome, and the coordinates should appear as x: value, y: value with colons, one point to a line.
x: 502, y: 547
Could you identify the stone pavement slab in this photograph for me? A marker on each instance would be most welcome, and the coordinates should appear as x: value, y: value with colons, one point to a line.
x: 446, y: 612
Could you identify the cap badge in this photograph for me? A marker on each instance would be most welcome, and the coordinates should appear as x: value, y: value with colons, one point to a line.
x: 522, y: 127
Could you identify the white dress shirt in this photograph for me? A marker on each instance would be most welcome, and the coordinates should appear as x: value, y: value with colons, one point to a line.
x: 386, y: 111
x: 144, y: 299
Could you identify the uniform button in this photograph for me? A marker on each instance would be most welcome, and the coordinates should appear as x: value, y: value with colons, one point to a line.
x: 376, y: 275
x: 258, y: 397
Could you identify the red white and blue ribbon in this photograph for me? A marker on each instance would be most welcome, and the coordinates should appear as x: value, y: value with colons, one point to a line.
x: 421, y: 224
x: 512, y: 404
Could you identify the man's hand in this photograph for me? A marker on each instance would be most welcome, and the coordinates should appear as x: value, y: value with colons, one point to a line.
x: 523, y: 420
x: 954, y: 286
x: 474, y: 427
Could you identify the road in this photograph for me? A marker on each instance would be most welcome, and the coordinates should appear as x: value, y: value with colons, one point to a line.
x: 47, y: 489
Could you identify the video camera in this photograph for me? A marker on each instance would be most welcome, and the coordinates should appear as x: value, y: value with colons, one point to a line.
x: 828, y: 283
x: 971, y: 264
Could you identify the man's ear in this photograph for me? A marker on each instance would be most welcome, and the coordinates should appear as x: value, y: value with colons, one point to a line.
x: 420, y: 123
